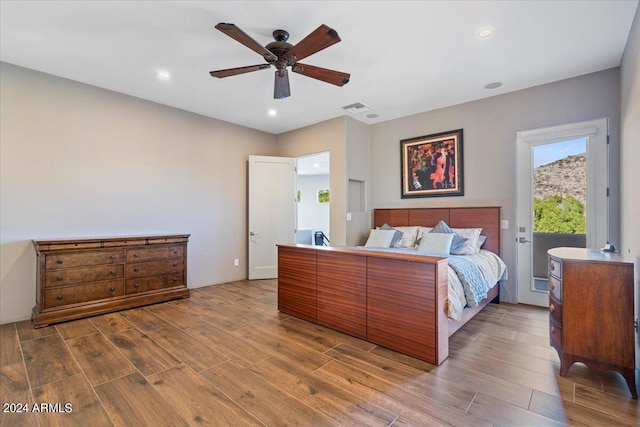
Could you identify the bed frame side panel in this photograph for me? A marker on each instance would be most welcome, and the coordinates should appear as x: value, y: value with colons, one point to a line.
x: 342, y: 292
x: 405, y: 310
x: 297, y: 282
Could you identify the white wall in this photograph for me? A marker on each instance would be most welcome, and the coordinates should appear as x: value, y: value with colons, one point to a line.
x: 312, y: 214
x: 489, y: 152
x: 357, y: 139
x: 630, y: 157
x: 79, y: 161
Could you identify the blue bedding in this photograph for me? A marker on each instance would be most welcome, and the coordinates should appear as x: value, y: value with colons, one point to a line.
x: 473, y: 281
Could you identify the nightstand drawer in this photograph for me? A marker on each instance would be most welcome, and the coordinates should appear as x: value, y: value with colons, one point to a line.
x: 555, y: 288
x: 555, y: 334
x: 555, y: 267
x: 555, y: 311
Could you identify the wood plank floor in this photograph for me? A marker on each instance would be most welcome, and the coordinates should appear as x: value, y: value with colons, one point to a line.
x: 227, y: 357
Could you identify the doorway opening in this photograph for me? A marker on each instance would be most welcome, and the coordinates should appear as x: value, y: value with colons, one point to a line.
x: 313, y: 198
x: 559, y: 201
x: 562, y: 198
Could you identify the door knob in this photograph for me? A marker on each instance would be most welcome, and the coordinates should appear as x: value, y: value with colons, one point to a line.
x: 523, y: 240
x: 253, y: 233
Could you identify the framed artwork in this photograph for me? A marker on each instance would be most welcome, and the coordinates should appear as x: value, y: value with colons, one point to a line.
x: 432, y: 165
x: 323, y: 196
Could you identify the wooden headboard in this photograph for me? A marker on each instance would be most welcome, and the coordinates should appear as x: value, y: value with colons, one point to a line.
x: 487, y: 218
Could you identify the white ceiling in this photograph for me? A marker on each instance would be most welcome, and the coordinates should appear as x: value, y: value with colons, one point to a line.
x: 315, y: 164
x: 405, y: 57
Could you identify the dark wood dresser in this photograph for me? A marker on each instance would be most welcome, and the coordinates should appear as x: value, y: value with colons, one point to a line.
x: 591, y: 316
x: 78, y: 278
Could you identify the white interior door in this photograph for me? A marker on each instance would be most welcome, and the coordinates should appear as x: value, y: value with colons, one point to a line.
x: 596, y: 133
x: 272, y: 212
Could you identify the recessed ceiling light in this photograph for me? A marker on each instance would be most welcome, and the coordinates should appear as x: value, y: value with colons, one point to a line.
x: 372, y: 116
x: 272, y: 112
x: 164, y: 75
x: 493, y: 85
x: 485, y: 32
x: 316, y: 165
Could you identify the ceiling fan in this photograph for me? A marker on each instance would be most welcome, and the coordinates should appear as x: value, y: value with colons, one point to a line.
x: 282, y: 55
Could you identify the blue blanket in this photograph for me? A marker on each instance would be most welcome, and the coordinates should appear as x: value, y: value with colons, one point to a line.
x: 471, y: 277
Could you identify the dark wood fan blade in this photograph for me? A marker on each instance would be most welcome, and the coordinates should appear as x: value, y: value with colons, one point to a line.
x: 240, y: 70
x: 319, y: 39
x: 330, y: 76
x: 281, y: 89
x: 237, y: 34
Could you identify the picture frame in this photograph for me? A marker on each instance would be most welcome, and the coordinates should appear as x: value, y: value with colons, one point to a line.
x: 431, y: 165
x: 323, y: 196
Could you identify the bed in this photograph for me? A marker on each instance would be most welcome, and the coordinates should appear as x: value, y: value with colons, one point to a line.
x: 398, y: 299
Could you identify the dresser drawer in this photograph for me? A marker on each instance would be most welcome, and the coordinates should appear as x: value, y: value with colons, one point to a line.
x: 555, y: 288
x: 555, y: 267
x: 149, y: 268
x: 555, y: 334
x: 555, y: 310
x: 81, y: 259
x: 82, y: 293
x: 148, y: 254
x: 151, y: 283
x: 74, y: 276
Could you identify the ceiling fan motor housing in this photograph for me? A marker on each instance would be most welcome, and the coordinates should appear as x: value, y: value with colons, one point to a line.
x: 279, y: 48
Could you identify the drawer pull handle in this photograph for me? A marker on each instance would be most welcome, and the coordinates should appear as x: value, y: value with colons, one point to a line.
x: 59, y: 278
x: 112, y: 257
x: 59, y: 297
x: 113, y: 273
x: 552, y: 308
x: 137, y: 285
x: 553, y: 330
x: 136, y: 255
x: 112, y: 289
x: 552, y: 267
x: 59, y: 261
x: 175, y: 279
x: 136, y: 269
x: 175, y: 264
x: 552, y: 286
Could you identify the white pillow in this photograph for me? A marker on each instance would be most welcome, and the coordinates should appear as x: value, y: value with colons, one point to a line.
x: 481, y: 241
x: 470, y: 246
x: 423, y: 230
x: 409, y: 237
x: 396, y: 237
x: 436, y: 243
x: 380, y: 238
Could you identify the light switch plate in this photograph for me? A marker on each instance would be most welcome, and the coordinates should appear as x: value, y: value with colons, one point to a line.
x: 504, y: 224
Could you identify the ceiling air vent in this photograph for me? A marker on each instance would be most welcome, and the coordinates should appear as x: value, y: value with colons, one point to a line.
x: 356, y: 107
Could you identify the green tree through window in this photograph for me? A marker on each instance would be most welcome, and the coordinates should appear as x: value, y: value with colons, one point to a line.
x: 558, y: 214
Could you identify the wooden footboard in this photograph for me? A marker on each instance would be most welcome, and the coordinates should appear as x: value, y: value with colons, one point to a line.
x: 391, y: 299
x: 394, y: 300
